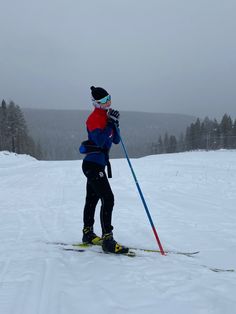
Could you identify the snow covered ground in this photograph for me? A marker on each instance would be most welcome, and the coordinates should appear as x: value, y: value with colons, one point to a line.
x: 192, y: 199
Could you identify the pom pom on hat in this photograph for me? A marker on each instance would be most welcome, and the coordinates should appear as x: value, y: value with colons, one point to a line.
x: 98, y: 92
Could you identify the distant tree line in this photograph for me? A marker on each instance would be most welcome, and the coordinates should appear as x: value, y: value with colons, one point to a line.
x: 14, y: 136
x: 207, y: 134
x: 62, y: 142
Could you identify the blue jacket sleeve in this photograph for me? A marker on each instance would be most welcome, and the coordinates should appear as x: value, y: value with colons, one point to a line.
x: 116, y: 136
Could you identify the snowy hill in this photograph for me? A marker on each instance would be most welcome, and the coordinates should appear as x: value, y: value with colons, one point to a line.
x: 191, y: 197
x: 10, y: 159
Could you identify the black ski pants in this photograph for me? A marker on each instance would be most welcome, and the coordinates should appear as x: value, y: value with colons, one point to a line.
x: 98, y: 187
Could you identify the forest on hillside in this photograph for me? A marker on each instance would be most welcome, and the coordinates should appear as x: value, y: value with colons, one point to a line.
x: 207, y: 134
x: 57, y: 134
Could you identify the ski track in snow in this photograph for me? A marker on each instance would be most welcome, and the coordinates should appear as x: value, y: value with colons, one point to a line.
x: 191, y: 197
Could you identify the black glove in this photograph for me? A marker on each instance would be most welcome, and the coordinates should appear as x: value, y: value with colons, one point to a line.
x: 113, y: 117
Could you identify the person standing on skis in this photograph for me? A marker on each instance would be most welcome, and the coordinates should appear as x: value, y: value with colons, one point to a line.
x: 103, y: 130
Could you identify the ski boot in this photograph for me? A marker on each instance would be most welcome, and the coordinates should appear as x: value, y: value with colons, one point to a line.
x: 109, y: 245
x: 89, y: 237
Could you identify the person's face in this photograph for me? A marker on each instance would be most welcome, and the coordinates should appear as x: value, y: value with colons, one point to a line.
x: 105, y: 102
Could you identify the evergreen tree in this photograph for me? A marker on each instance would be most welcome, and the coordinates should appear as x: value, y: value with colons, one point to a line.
x: 197, y: 134
x: 166, y: 143
x: 234, y: 134
x: 215, y: 144
x: 181, y: 147
x: 226, y: 130
x: 206, y: 134
x: 3, y: 125
x: 172, y: 144
x: 191, y: 137
x: 160, y: 145
x: 14, y: 135
x: 187, y: 139
x: 154, y: 148
x: 17, y: 131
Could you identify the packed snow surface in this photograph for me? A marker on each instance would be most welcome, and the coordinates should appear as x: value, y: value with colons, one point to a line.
x: 192, y: 200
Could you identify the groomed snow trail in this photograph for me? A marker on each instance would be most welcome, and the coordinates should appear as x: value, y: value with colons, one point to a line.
x: 192, y: 199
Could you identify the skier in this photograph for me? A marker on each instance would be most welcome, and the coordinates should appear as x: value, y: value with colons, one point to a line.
x: 103, y: 130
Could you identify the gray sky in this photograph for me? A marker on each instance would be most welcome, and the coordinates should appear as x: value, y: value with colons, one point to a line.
x: 173, y: 56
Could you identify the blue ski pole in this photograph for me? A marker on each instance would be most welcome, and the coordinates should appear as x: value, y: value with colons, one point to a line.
x: 141, y: 195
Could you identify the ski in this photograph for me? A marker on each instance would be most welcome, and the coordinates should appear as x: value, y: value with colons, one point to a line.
x: 129, y: 254
x: 189, y: 254
x: 84, y: 245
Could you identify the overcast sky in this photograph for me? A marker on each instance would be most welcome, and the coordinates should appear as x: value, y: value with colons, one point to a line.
x: 173, y: 56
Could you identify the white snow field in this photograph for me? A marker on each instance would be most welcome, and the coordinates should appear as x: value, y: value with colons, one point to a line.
x: 192, y: 200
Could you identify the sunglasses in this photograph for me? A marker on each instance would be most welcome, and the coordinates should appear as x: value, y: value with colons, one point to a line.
x: 104, y: 100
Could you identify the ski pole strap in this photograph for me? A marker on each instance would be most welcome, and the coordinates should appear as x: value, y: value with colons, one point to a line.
x: 108, y: 164
x: 109, y: 172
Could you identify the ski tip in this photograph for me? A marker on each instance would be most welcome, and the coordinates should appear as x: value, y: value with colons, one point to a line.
x: 219, y: 270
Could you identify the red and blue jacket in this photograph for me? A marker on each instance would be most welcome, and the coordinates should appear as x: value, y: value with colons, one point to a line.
x: 103, y: 134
